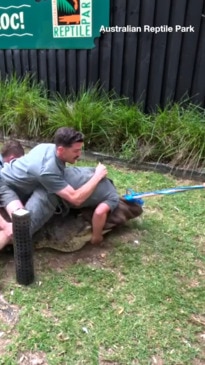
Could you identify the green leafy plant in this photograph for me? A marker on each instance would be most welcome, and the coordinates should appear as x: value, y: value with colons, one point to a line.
x: 111, y: 124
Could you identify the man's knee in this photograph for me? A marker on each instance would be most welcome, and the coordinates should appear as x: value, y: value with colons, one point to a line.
x: 101, y: 209
x: 13, y: 206
x: 41, y: 206
x: 41, y: 200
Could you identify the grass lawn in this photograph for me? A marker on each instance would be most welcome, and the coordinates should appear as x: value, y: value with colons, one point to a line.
x: 138, y: 299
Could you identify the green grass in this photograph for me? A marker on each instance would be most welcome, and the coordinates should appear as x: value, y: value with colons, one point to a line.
x: 137, y: 303
x: 111, y: 124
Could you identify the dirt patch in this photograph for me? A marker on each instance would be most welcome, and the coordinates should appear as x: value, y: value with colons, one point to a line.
x: 198, y: 319
x: 7, y: 267
x: 8, y: 313
x: 92, y: 255
x: 185, y: 182
x: 32, y: 358
x: 55, y: 260
x: 4, y: 342
x: 104, y: 354
x: 199, y: 362
x: 201, y: 268
x: 157, y: 360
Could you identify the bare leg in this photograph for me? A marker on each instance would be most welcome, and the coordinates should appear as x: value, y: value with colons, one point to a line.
x: 3, y: 222
x: 98, y: 222
x: 5, y: 232
x: 6, y: 227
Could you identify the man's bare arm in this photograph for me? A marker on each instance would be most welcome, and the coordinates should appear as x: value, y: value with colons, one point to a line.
x: 78, y: 196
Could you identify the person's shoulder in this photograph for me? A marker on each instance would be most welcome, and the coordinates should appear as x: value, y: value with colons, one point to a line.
x: 42, y: 151
x: 43, y: 147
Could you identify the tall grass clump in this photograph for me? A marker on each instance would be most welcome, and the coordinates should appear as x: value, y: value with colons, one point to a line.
x: 163, y: 136
x: 23, y: 107
x: 127, y: 126
x: 107, y: 121
x: 84, y: 111
x: 176, y: 136
x: 113, y: 125
x: 110, y: 123
x: 192, y: 146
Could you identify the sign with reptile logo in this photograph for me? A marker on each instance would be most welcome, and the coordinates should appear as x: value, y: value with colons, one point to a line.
x: 51, y: 24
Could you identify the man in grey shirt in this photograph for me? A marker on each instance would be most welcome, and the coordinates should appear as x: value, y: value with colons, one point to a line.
x: 39, y: 175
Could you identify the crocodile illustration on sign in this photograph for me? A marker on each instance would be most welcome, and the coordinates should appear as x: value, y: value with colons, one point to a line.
x: 72, y: 18
x: 66, y: 8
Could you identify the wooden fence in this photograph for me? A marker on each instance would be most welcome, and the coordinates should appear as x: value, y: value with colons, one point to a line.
x: 148, y: 67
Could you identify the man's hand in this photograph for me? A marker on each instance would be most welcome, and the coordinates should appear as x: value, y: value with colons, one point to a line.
x: 101, y: 171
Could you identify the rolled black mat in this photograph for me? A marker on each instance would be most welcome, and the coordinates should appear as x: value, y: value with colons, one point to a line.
x: 23, y: 247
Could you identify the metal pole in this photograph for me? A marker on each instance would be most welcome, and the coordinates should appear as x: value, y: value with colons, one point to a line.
x: 23, y: 247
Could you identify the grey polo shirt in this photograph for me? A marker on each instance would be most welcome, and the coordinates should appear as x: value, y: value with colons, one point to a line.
x: 39, y: 167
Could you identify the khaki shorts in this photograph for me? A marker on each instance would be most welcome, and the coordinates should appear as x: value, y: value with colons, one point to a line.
x: 7, y: 195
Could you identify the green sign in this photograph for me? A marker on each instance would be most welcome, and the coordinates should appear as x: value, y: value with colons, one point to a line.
x: 55, y: 24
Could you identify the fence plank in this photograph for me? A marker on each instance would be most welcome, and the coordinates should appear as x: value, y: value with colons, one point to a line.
x: 198, y: 84
x: 105, y: 48
x: 33, y: 57
x: 2, y: 65
x: 116, y: 66
x: 93, y: 64
x: 71, y: 71
x: 61, y: 71
x: 52, y: 70
x: 173, y: 51
x: 81, y: 68
x: 189, y: 49
x: 25, y: 61
x: 9, y: 61
x: 42, y: 67
x: 17, y: 62
x: 105, y: 60
x: 144, y: 49
x: 130, y: 49
x: 159, y: 44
